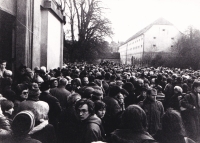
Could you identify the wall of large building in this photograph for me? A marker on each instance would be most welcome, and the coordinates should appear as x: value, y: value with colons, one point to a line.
x: 156, y: 39
x: 160, y: 38
x: 36, y: 33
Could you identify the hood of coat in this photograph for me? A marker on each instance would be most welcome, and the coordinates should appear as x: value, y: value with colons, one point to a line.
x: 93, y: 119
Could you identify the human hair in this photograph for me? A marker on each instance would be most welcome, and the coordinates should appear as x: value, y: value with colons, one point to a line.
x: 6, y: 105
x: 76, y: 81
x: 99, y: 105
x: 196, y: 83
x: 63, y: 82
x: 172, y: 122
x: 72, y: 99
x: 2, y: 61
x: 178, y: 88
x: 134, y: 118
x: 169, y: 80
x: 152, y: 91
x: 88, y: 102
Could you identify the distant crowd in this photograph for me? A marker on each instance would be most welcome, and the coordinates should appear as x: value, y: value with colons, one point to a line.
x: 106, y: 102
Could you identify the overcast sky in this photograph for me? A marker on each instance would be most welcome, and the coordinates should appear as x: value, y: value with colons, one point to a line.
x: 130, y: 16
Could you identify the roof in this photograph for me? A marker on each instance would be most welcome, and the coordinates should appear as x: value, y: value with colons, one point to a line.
x: 160, y: 21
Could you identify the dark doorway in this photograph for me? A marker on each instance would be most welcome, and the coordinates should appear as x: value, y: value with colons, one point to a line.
x: 6, y: 38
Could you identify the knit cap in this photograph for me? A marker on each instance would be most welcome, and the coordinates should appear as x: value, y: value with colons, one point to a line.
x: 23, y: 123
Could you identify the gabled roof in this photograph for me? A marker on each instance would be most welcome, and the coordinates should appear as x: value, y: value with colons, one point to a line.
x: 160, y: 21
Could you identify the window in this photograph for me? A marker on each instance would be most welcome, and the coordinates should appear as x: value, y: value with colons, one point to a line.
x: 154, y: 45
x: 141, y: 45
x: 163, y: 30
x: 172, y: 38
x: 154, y: 37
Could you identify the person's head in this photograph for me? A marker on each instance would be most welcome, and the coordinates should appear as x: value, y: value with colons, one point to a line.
x: 23, y: 123
x: 178, y: 89
x: 84, y: 108
x: 2, y: 64
x: 140, y: 82
x: 22, y: 91
x: 100, y: 108
x: 97, y: 94
x: 85, y: 81
x: 45, y: 86
x: 196, y: 86
x: 53, y: 82
x: 73, y: 98
x: 7, y: 107
x: 76, y: 83
x: 114, y: 91
x: 63, y: 82
x: 29, y: 72
x: 172, y: 122
x: 151, y: 94
x: 134, y: 118
x: 34, y: 92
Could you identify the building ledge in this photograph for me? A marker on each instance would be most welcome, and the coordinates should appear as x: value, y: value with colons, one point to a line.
x: 52, y: 7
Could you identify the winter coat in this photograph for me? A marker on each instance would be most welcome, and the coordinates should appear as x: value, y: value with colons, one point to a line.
x: 113, y: 114
x: 62, y: 95
x: 154, y: 111
x: 162, y: 137
x: 90, y: 130
x: 46, y: 134
x: 129, y: 136
x: 54, y: 107
x: 192, y: 124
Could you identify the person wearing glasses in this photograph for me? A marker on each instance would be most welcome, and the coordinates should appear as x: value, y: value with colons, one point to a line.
x: 90, y: 127
x: 21, y: 95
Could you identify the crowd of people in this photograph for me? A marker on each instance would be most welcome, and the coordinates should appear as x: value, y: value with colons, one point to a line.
x: 106, y: 102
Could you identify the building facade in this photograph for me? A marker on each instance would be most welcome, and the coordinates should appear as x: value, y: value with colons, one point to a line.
x: 160, y: 36
x: 31, y: 33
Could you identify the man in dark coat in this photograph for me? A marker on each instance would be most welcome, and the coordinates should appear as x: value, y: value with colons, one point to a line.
x: 54, y: 105
x: 113, y: 110
x: 191, y: 102
x: 61, y: 93
x: 91, y: 127
x: 153, y: 109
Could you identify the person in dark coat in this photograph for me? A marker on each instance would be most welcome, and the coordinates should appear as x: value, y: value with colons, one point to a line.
x: 153, y: 109
x: 174, y: 100
x: 133, y: 127
x: 90, y: 129
x: 113, y: 110
x: 191, y: 102
x: 68, y: 121
x: 61, y: 93
x: 54, y: 105
x: 173, y: 130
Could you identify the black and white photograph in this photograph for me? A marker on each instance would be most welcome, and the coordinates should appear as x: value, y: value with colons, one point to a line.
x: 99, y: 71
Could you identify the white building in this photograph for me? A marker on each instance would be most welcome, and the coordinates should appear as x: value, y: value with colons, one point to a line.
x: 159, y: 36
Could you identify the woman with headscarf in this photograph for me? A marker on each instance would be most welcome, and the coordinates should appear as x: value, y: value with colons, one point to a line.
x: 172, y: 129
x: 133, y: 127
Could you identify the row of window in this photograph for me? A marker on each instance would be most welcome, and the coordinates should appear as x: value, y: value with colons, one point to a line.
x: 135, y: 41
x: 171, y: 38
